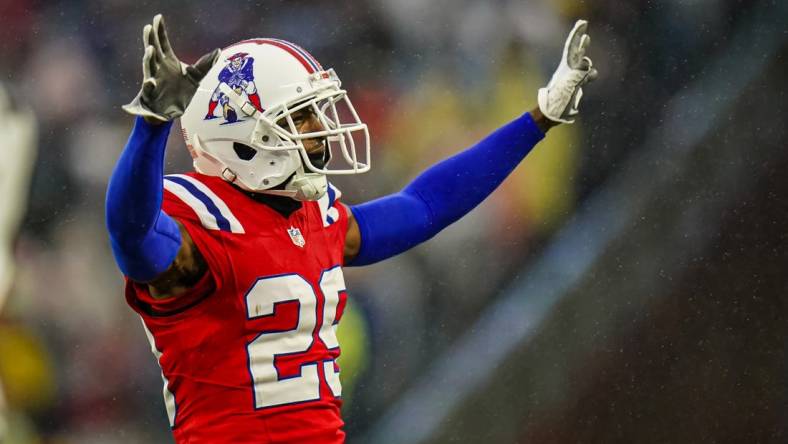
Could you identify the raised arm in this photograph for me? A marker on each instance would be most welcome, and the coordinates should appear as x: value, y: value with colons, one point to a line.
x: 450, y: 189
x: 149, y: 246
x: 144, y: 240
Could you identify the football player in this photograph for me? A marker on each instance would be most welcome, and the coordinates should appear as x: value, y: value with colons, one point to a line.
x: 236, y: 268
x: 18, y: 130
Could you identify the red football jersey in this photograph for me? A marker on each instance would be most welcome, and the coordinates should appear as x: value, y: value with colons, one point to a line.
x: 249, y: 354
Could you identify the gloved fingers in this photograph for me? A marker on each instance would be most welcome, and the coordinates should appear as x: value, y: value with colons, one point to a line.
x: 573, y: 40
x: 200, y: 68
x: 147, y: 40
x: 590, y: 72
x: 584, y: 42
x: 576, y: 100
x: 161, y: 33
x: 577, y: 53
x: 156, y: 37
x: 584, y: 64
x: 592, y: 75
x: 149, y: 67
x: 148, y: 88
x: 146, y: 30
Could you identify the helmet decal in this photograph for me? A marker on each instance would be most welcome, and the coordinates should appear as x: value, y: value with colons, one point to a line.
x: 238, y: 74
x: 233, y: 126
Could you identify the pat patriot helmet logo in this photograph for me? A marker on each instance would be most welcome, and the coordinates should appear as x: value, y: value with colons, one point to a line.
x: 238, y: 74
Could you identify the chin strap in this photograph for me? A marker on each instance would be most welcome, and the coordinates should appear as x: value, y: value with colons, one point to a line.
x: 302, y: 186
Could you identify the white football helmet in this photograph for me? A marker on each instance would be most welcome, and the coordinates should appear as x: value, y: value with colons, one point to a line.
x: 239, y: 124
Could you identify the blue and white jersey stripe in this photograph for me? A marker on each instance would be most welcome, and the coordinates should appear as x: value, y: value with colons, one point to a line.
x: 327, y: 205
x: 212, y: 211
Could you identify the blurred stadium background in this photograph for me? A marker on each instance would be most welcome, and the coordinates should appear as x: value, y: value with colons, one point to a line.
x: 627, y: 284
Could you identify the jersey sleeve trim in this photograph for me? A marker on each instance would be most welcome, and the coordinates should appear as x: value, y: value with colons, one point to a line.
x: 213, y: 212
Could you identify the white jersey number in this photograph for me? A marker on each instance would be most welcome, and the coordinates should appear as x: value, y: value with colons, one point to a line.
x: 271, y: 389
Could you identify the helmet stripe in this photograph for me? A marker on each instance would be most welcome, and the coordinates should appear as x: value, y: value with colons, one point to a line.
x: 305, y: 61
x: 304, y: 53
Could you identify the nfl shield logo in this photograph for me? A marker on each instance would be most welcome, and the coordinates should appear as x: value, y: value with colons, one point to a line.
x: 296, y: 237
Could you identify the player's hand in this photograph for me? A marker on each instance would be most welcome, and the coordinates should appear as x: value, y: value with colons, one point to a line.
x: 168, y: 85
x: 560, y: 99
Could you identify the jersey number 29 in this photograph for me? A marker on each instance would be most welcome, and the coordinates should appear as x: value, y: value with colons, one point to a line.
x: 270, y: 389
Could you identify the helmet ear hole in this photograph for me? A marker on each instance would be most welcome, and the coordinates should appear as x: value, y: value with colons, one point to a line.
x: 244, y: 152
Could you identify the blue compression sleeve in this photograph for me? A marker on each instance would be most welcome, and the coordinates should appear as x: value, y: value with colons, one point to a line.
x: 144, y: 240
x: 442, y: 194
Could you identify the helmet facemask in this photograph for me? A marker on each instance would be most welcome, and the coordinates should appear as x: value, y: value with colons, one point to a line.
x: 275, y: 134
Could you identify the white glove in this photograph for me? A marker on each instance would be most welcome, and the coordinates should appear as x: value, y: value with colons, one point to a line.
x: 167, y: 84
x: 559, y: 100
x: 18, y: 135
